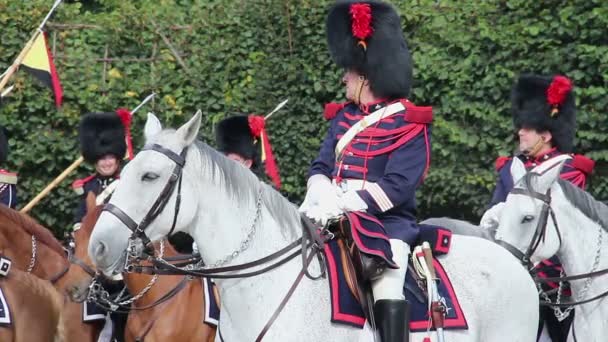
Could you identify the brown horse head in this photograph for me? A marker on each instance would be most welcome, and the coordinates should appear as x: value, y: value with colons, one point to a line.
x: 43, y: 255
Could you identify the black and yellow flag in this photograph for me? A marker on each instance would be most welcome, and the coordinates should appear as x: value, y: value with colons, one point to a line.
x: 39, y: 63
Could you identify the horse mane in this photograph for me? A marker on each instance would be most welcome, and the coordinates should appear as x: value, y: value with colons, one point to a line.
x: 33, y: 228
x: 243, y: 186
x: 582, y: 200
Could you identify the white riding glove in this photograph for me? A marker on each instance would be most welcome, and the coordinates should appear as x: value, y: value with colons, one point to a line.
x: 320, y: 203
x: 351, y: 201
x: 490, y: 218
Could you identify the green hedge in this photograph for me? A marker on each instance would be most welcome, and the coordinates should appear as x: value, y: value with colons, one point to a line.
x: 246, y: 56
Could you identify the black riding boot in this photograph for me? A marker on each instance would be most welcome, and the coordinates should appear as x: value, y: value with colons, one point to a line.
x: 393, y: 320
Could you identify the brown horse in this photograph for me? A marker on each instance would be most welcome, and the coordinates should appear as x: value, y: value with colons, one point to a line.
x: 177, y: 319
x: 34, y: 249
x: 35, y: 309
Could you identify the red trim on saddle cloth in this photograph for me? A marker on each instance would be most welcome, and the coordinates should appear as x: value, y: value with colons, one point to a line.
x: 338, y: 293
x: 500, y: 162
x: 459, y: 322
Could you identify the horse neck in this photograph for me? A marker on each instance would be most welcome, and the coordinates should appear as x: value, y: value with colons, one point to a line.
x: 229, y: 232
x: 581, y: 240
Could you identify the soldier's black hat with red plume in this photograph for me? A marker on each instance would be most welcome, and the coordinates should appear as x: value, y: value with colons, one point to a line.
x: 546, y: 103
x: 366, y: 36
x: 101, y: 134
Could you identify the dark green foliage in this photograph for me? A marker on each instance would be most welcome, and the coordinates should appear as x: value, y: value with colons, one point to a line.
x: 248, y: 55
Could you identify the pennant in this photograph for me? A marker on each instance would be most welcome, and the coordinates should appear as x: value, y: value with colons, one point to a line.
x: 39, y: 62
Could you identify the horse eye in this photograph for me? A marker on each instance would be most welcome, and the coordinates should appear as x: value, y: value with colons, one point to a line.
x: 149, y: 176
x: 527, y: 218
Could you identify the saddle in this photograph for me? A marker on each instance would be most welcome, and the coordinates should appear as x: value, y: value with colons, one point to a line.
x: 359, y: 269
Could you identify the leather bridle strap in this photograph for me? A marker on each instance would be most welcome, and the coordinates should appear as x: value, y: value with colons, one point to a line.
x: 161, y: 200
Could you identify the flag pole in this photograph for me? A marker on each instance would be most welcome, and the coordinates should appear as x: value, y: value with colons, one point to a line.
x: 69, y: 170
x: 13, y: 68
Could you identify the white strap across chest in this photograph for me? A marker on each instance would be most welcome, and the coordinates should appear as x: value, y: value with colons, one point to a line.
x: 367, y: 121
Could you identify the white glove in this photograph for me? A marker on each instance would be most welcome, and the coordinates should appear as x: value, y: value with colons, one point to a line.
x: 351, y: 201
x: 320, y: 203
x: 491, y: 217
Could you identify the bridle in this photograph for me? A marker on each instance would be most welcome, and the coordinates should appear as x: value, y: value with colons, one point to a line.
x: 541, y: 227
x: 538, y: 237
x: 175, y: 179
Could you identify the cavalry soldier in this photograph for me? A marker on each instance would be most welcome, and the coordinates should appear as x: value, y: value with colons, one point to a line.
x: 377, y: 149
x: 102, y: 144
x: 243, y: 139
x: 544, y: 116
x: 8, y: 180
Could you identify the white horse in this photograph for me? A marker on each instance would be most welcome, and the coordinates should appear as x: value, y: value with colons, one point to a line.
x: 234, y: 218
x: 582, y: 223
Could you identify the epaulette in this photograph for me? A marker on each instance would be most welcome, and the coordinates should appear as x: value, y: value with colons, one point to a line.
x: 582, y: 163
x: 417, y: 114
x: 78, y: 185
x: 500, y: 162
x: 8, y: 177
x: 332, y: 109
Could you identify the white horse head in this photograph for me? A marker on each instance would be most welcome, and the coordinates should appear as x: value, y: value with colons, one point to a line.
x: 522, y: 213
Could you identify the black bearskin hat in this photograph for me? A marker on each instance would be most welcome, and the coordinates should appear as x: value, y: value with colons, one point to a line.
x: 3, y: 145
x: 545, y: 104
x: 233, y: 135
x: 101, y: 134
x: 366, y: 36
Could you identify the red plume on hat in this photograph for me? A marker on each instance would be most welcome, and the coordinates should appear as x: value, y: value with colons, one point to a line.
x: 126, y: 118
x: 557, y: 92
x: 361, y: 15
x: 257, y: 125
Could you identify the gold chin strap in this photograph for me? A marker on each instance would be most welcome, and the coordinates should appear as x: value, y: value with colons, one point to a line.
x: 359, y: 90
x: 534, y: 150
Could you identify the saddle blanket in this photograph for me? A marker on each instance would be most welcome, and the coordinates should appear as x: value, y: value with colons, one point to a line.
x: 212, y: 302
x: 5, y: 312
x: 346, y: 305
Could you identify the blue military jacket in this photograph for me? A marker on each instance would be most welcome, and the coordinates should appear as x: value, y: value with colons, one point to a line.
x: 392, y: 154
x: 575, y: 170
x: 95, y: 184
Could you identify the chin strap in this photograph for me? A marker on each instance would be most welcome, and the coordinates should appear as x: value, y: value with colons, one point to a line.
x: 357, y: 99
x: 532, y: 152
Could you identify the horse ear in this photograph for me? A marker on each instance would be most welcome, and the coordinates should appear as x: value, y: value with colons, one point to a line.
x: 549, y: 172
x: 518, y: 170
x: 91, y: 203
x: 189, y: 131
x: 153, y: 126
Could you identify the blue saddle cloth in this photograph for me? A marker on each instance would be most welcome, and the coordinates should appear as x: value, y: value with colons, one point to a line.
x: 346, y: 305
